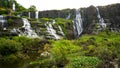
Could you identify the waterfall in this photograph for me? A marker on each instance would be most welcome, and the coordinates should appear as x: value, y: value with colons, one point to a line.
x: 17, y: 30
x: 28, y: 31
x: 101, y: 20
x: 29, y: 15
x: 14, y: 30
x: 59, y: 27
x: 61, y: 31
x: 36, y: 15
x: 13, y: 6
x: 68, y: 17
x: 53, y: 22
x: 3, y: 21
x: 51, y: 30
x: 77, y: 24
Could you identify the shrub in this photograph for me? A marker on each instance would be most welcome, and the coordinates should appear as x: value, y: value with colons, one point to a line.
x: 25, y: 41
x: 59, y: 53
x: 8, y: 47
x: 9, y: 59
x: 24, y: 16
x: 10, y: 21
x: 64, y: 47
x: 83, y: 62
x: 45, y: 19
x: 61, y: 50
x: 4, y: 11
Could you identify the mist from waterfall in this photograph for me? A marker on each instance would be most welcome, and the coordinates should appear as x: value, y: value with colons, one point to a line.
x: 101, y: 20
x: 77, y: 24
x: 28, y: 31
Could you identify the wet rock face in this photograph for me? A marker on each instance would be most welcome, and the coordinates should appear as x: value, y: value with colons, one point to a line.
x: 9, y: 24
x: 110, y: 14
x: 29, y: 14
x: 15, y: 21
x: 52, y: 14
x: 56, y: 13
x: 48, y: 30
x: 69, y: 30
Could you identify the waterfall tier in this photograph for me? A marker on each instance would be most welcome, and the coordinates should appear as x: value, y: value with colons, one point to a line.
x: 13, y: 7
x: 29, y: 15
x: 68, y: 17
x: 61, y: 31
x: 77, y: 24
x: 52, y: 31
x: 2, y: 22
x: 101, y: 20
x: 28, y: 31
x: 36, y: 15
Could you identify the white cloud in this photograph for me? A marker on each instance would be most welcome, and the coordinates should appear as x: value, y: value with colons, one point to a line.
x: 62, y: 4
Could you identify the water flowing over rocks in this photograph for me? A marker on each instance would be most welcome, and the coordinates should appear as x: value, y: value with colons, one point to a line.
x: 89, y: 20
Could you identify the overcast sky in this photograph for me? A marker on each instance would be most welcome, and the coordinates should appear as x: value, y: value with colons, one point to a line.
x: 62, y: 4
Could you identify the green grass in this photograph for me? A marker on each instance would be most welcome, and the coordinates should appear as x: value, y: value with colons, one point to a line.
x: 83, y: 62
x: 86, y: 52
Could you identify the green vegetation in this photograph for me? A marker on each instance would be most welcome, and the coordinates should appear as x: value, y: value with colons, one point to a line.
x: 63, y: 23
x: 32, y: 8
x: 6, y: 7
x: 89, y: 51
x: 46, y: 19
x: 8, y: 47
x: 6, y: 3
x: 83, y: 62
x: 10, y: 21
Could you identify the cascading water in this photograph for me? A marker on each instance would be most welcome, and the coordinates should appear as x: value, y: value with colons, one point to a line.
x: 29, y: 15
x: 51, y: 30
x: 13, y: 30
x: 13, y: 6
x: 53, y: 22
x: 36, y: 16
x: 77, y: 24
x: 61, y: 31
x: 101, y: 20
x: 58, y: 27
x: 68, y: 17
x: 28, y: 31
x: 3, y: 21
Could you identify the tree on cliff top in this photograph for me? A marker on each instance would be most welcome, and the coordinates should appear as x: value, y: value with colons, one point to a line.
x: 32, y: 8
